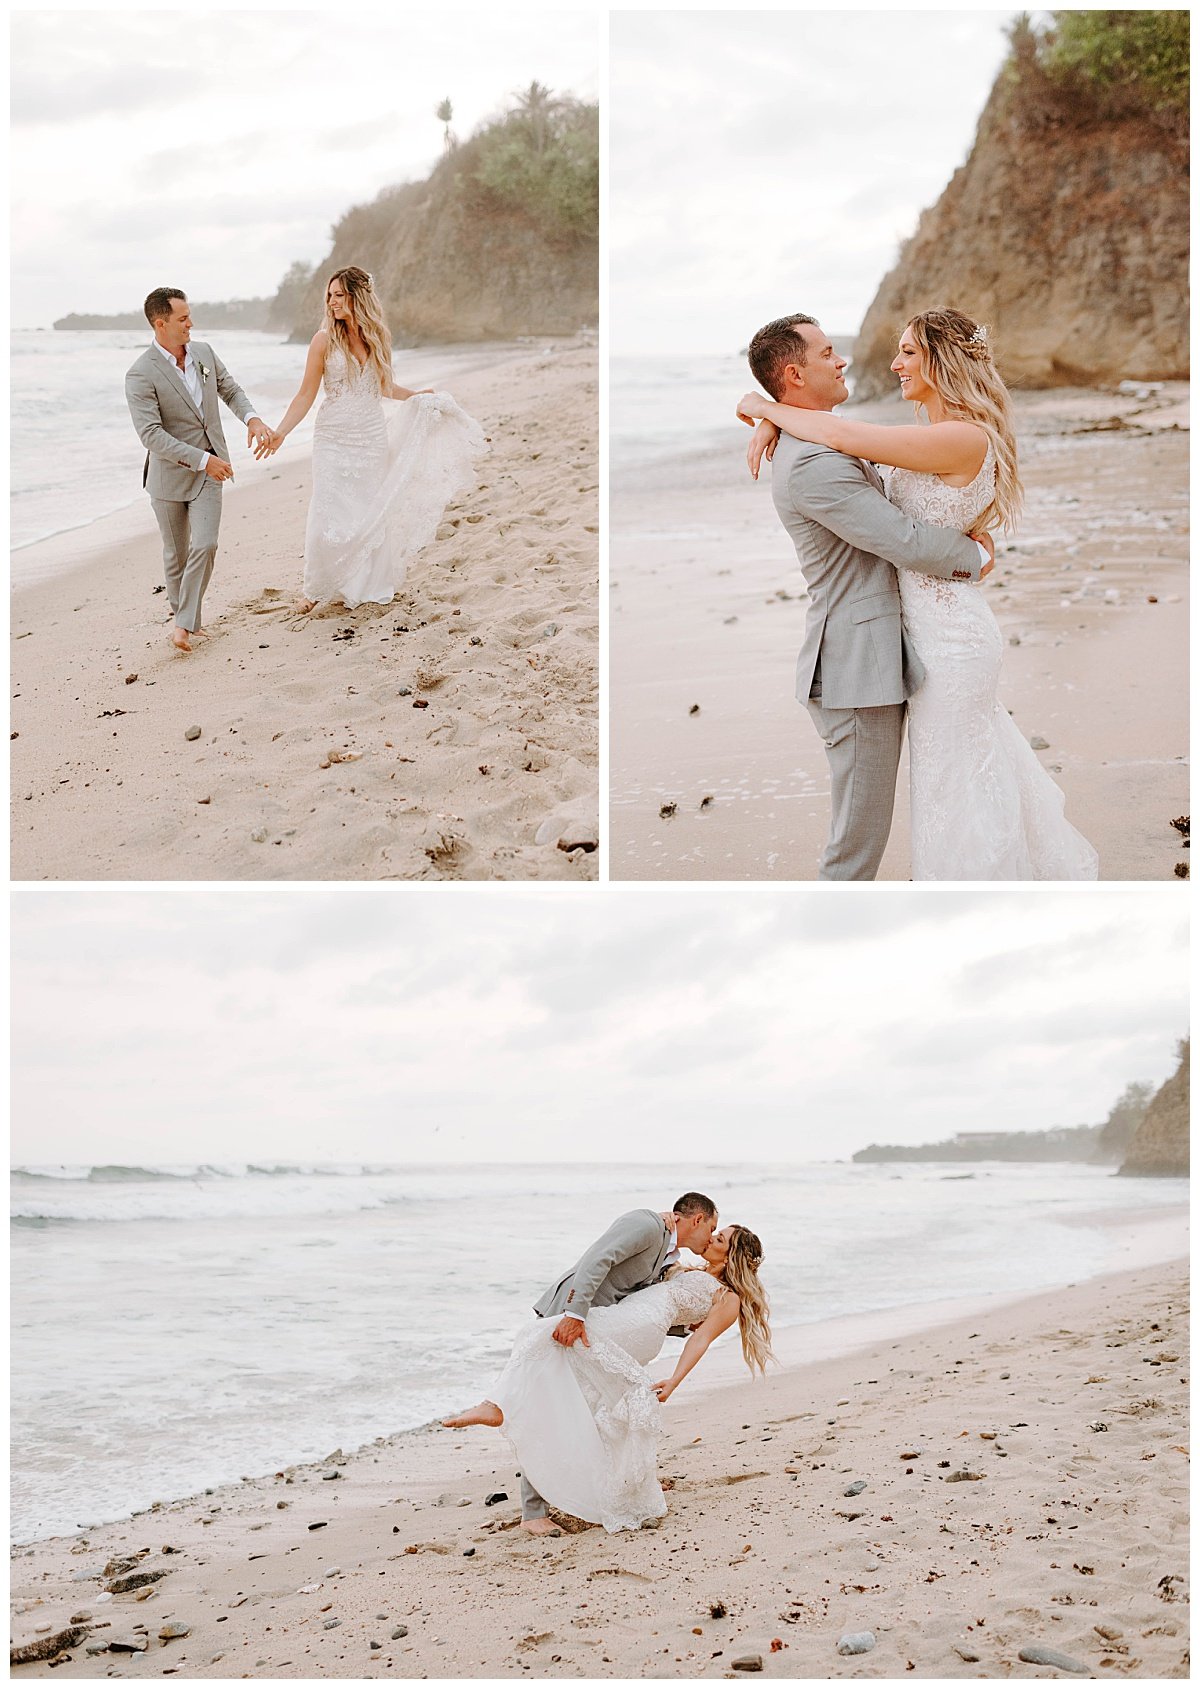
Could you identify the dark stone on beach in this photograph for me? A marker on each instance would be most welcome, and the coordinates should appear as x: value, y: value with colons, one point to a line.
x: 666, y: 810
x: 46, y: 1647
x: 135, y: 1580
x: 129, y: 679
x: 400, y: 1630
x: 467, y: 1553
x: 856, y: 1488
x: 377, y: 1645
x: 748, y: 1662
x: 475, y: 639
x: 404, y: 692
x: 194, y: 733
x: 494, y: 1497
x: 694, y: 709
x: 319, y: 1525
x: 717, y: 1609
x: 332, y: 1473
x: 1036, y: 1655
x: 967, y: 1655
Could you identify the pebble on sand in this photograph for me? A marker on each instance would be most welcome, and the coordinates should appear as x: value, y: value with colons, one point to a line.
x: 856, y: 1642
x: 1036, y: 1655
x: 192, y: 732
x: 748, y: 1662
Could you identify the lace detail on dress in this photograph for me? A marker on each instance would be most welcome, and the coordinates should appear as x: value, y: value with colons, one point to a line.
x: 384, y: 470
x: 983, y: 807
x: 585, y: 1423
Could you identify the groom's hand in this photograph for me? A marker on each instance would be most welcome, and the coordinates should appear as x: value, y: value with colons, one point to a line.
x: 258, y: 435
x: 985, y: 540
x: 219, y: 469
x: 570, y: 1330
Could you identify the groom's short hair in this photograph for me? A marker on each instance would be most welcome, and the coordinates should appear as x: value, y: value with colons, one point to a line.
x: 158, y: 303
x: 776, y: 346
x: 691, y: 1204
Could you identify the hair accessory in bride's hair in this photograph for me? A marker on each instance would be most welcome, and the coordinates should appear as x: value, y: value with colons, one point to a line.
x: 979, y: 338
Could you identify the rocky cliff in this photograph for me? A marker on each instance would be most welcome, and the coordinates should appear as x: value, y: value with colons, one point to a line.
x: 501, y: 240
x: 1066, y: 230
x: 1160, y: 1145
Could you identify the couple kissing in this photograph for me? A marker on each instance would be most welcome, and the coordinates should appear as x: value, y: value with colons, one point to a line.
x: 576, y: 1399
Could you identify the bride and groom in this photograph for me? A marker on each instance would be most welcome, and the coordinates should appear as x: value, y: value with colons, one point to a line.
x: 896, y: 627
x: 382, y: 473
x: 576, y: 1400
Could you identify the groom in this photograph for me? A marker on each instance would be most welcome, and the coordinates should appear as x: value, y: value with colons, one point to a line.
x: 856, y: 666
x: 172, y: 393
x: 634, y: 1252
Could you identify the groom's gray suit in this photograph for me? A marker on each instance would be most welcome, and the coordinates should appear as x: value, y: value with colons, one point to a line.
x: 179, y: 437
x: 856, y: 667
x: 631, y: 1255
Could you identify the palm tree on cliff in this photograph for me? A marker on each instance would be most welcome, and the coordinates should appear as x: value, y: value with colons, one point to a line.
x: 444, y: 112
x: 536, y: 109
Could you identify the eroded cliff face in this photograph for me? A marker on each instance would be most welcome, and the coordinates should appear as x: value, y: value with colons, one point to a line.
x: 1067, y: 233
x: 1160, y: 1144
x: 451, y: 263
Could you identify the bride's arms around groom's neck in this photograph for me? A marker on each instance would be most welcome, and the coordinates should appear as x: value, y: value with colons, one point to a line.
x: 938, y: 448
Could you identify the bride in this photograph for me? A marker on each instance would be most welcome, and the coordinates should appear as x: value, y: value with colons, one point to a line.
x: 982, y: 806
x: 584, y: 1420
x: 382, y: 474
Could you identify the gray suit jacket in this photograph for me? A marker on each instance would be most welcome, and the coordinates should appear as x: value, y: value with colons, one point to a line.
x: 850, y: 541
x: 175, y: 434
x: 628, y: 1257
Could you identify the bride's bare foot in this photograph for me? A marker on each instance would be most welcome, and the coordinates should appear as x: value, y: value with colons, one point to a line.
x: 487, y: 1413
x: 180, y: 640
x: 541, y: 1527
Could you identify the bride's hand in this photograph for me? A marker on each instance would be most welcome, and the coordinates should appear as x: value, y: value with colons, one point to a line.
x: 663, y: 1389
x: 762, y: 445
x: 750, y: 408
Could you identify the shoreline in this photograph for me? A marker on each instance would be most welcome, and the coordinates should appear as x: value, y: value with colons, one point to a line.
x: 405, y: 1556
x: 708, y: 608
x: 492, y: 638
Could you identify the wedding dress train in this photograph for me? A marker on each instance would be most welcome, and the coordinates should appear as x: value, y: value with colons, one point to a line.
x: 383, y: 473
x: 982, y: 805
x: 585, y: 1422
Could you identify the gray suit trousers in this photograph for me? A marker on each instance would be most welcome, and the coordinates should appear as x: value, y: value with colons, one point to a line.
x: 189, y: 532
x: 862, y: 748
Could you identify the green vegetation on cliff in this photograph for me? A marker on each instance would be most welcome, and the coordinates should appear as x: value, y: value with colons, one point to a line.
x: 1116, y: 62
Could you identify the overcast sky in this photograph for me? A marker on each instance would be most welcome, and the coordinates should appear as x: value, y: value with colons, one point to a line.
x: 639, y: 1024
x: 766, y: 162
x: 208, y: 148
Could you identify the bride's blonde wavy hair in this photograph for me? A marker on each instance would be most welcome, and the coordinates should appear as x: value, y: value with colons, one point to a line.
x: 956, y: 359
x: 740, y: 1273
x: 368, y: 319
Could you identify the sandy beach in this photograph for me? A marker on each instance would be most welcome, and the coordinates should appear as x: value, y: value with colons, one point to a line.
x: 450, y: 735
x: 707, y: 609
x: 1020, y: 1479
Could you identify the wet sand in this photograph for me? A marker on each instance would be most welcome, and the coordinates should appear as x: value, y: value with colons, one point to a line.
x: 1023, y: 1483
x: 707, y: 608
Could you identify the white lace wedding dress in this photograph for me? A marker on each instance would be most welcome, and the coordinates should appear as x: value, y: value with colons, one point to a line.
x: 383, y: 472
x: 584, y: 1422
x: 983, y: 807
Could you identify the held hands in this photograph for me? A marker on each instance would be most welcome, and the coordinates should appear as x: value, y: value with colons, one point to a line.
x: 258, y: 435
x: 219, y: 469
x: 570, y: 1330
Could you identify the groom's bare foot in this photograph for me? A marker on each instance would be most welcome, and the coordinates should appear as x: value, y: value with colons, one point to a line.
x: 200, y: 633
x: 180, y: 640
x: 487, y: 1413
x: 541, y: 1527
x: 306, y: 605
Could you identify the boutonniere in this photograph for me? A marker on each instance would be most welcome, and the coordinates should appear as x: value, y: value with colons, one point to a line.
x: 203, y: 368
